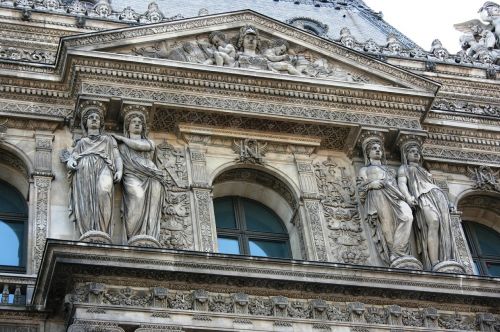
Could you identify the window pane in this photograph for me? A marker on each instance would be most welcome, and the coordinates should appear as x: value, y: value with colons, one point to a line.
x: 493, y: 269
x: 11, y: 200
x: 224, y: 213
x: 228, y: 245
x: 266, y: 248
x: 11, y: 243
x: 488, y: 239
x: 261, y: 219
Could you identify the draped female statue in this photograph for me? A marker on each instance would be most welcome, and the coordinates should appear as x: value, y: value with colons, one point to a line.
x: 143, y: 189
x: 385, y: 207
x: 434, y: 225
x: 94, y: 165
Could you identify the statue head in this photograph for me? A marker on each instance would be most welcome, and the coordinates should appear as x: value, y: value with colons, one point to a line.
x: 135, y: 120
x: 411, y: 153
x: 488, y: 10
x: 249, y: 38
x: 281, y: 44
x: 373, y: 147
x: 217, y: 38
x: 92, y: 114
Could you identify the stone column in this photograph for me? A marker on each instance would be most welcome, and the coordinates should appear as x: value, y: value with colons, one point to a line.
x: 42, y: 179
x: 205, y: 220
x: 314, y: 217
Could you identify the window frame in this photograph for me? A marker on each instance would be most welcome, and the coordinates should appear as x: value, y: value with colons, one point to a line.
x: 18, y: 218
x: 480, y: 260
x: 244, y: 235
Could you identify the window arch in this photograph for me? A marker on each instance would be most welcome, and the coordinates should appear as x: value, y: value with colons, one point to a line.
x: 13, y: 228
x: 484, y: 244
x: 248, y: 227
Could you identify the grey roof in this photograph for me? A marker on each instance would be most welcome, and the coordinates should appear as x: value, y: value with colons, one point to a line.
x: 363, y: 22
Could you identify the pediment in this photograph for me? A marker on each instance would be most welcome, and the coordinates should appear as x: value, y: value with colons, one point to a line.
x: 247, y: 43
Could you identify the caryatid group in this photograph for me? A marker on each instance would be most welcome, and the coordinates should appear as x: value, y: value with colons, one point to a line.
x: 98, y: 161
x: 395, y: 203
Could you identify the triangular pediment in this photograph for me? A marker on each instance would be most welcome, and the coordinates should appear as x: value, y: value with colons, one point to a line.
x: 247, y: 43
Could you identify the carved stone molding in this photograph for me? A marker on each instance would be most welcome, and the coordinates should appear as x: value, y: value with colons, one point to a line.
x: 438, y: 153
x: 91, y: 326
x: 43, y: 154
x: 247, y: 107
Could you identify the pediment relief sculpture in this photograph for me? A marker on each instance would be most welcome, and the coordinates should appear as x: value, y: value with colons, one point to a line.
x: 250, y: 49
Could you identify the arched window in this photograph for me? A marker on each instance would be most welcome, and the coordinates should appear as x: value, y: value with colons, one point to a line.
x: 484, y: 244
x: 247, y: 227
x: 13, y: 225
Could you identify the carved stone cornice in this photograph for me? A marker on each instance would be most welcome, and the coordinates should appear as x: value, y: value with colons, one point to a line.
x: 344, y: 115
x: 160, y: 264
x: 460, y: 156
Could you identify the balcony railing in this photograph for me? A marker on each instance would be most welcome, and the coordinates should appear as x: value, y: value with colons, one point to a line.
x: 16, y: 289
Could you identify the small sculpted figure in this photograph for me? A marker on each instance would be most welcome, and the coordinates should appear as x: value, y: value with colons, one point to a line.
x: 225, y: 53
x: 143, y: 189
x: 434, y: 235
x: 279, y: 59
x: 385, y: 205
x: 94, y: 165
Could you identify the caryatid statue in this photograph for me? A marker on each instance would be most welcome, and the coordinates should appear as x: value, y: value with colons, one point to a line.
x: 434, y: 235
x: 385, y: 206
x: 143, y: 183
x: 94, y: 164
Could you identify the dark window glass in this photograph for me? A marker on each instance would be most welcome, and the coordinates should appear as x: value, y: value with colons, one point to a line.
x: 13, y: 219
x: 260, y: 218
x: 484, y: 244
x: 489, y: 240
x: 224, y: 213
x: 247, y: 227
x: 11, y: 200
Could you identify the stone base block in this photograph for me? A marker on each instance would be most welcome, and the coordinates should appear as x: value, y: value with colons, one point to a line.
x: 144, y: 241
x: 407, y: 262
x: 449, y: 267
x: 96, y: 237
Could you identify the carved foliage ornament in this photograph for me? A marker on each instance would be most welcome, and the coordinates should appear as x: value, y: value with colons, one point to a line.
x: 347, y: 240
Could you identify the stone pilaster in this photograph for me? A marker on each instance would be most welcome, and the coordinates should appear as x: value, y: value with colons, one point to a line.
x: 205, y: 219
x: 463, y: 251
x: 314, y: 216
x: 41, y: 216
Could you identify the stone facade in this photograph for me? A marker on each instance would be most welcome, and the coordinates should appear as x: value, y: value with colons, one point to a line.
x: 122, y: 138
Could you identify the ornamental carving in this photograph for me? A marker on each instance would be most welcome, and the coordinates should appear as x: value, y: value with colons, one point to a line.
x: 346, y: 237
x: 250, y: 150
x: 466, y: 107
x: 485, y: 178
x: 249, y: 49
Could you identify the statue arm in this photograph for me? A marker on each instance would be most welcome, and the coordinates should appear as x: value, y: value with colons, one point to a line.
x: 118, y: 162
x: 275, y: 58
x: 362, y: 185
x: 403, y: 186
x: 142, y: 145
